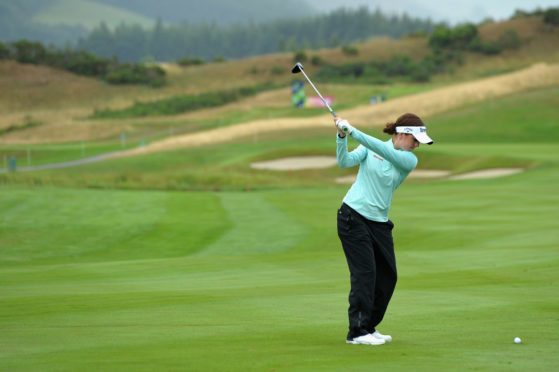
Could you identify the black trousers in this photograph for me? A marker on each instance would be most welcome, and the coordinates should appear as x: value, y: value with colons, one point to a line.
x: 369, y: 250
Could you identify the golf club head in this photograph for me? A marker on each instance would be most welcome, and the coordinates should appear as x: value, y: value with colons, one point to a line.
x: 297, y: 68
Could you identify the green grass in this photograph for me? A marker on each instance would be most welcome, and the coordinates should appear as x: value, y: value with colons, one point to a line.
x: 528, y: 117
x: 220, y: 167
x: 47, y: 222
x: 162, y: 280
x: 56, y: 153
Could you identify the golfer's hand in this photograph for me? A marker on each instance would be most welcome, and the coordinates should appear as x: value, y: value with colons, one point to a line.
x: 341, y: 133
x: 343, y: 126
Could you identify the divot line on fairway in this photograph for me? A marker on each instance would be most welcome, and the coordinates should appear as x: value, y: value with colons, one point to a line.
x: 258, y: 227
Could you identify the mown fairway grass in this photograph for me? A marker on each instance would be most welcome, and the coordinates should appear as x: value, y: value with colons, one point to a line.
x: 257, y: 281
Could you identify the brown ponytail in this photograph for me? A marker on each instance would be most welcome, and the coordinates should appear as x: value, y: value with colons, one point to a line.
x: 390, y: 128
x: 406, y: 120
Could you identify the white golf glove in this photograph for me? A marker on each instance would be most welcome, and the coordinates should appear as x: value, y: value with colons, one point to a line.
x: 344, y: 126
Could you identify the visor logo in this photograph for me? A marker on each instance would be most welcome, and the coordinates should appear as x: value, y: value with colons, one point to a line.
x: 411, y: 130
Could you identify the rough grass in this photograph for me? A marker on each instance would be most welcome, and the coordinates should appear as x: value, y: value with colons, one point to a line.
x: 529, y: 117
x: 227, y: 167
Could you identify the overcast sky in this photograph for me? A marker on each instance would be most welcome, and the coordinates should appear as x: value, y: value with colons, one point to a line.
x: 443, y: 10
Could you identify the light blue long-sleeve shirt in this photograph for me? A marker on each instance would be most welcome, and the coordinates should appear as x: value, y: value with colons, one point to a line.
x: 382, y: 169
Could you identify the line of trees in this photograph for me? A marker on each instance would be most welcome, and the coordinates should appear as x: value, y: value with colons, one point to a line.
x: 464, y: 37
x: 207, y: 41
x: 383, y: 72
x: 83, y: 63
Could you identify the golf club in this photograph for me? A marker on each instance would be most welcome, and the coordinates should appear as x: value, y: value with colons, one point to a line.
x: 299, y: 68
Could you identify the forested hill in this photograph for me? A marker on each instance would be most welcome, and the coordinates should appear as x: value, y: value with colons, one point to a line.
x: 208, y: 41
x: 167, y: 30
x: 61, y: 22
x: 223, y: 12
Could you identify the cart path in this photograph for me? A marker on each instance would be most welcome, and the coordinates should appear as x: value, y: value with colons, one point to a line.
x: 65, y: 164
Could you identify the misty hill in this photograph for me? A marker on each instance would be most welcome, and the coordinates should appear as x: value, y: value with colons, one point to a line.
x: 222, y: 12
x: 170, y: 43
x: 170, y: 29
x: 17, y: 22
x: 63, y: 21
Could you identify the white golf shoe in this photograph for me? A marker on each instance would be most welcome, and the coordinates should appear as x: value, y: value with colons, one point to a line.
x: 380, y: 336
x: 367, y: 339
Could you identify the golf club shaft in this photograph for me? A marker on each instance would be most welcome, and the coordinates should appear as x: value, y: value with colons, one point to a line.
x: 320, y: 95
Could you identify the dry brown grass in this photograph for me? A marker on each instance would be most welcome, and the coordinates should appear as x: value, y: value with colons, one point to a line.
x: 526, y: 28
x: 381, y: 49
x: 538, y: 43
x: 423, y: 104
x: 440, y: 100
x: 27, y: 87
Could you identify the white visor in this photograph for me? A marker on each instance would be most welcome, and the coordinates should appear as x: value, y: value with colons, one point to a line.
x: 420, y: 133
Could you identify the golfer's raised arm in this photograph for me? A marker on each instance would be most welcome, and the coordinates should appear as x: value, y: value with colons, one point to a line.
x: 348, y: 159
x: 404, y: 160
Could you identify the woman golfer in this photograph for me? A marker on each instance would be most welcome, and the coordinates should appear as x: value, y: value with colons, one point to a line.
x: 363, y: 225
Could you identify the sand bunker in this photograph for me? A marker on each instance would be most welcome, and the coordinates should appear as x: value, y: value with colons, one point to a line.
x: 297, y: 163
x: 417, y: 173
x: 487, y: 173
x: 317, y: 162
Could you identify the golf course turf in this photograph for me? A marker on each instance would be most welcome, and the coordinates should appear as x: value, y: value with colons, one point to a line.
x: 113, y: 279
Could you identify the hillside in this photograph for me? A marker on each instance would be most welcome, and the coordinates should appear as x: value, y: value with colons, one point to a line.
x: 61, y: 102
x: 424, y: 104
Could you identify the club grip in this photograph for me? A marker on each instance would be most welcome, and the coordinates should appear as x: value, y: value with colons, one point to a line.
x: 344, y: 126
